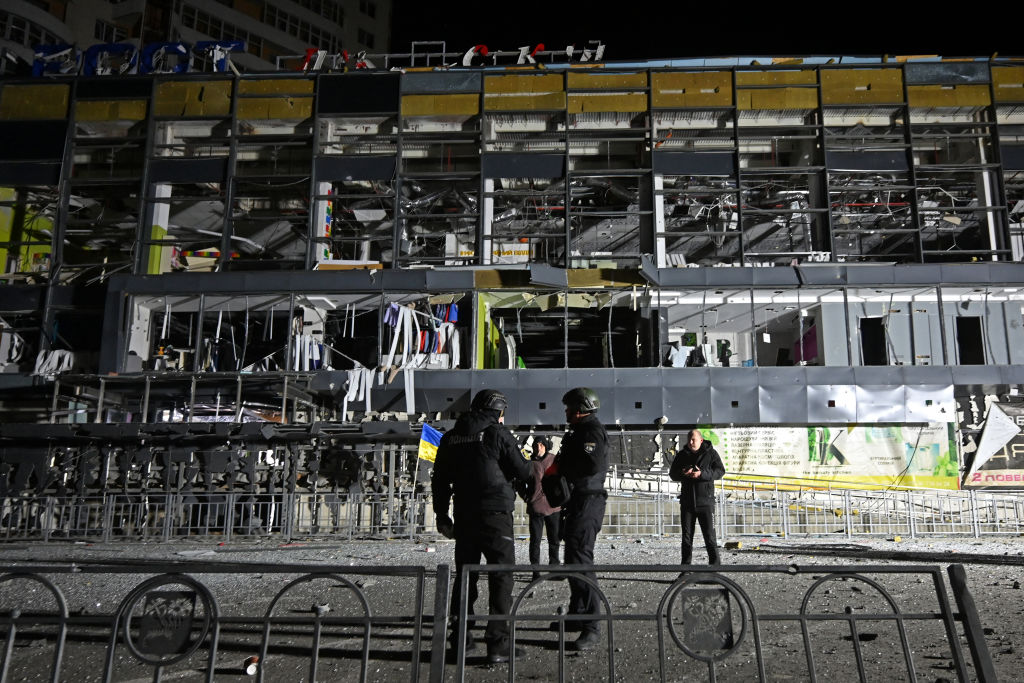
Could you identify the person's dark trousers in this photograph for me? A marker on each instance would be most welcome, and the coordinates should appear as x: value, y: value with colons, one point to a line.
x: 582, y: 521
x: 688, y: 519
x: 538, y: 524
x: 490, y: 534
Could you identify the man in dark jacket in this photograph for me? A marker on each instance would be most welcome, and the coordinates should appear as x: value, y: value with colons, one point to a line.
x: 697, y: 466
x: 477, y: 462
x: 583, y: 460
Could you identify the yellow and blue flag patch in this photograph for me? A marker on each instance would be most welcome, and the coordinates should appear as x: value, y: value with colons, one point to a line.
x: 430, y: 439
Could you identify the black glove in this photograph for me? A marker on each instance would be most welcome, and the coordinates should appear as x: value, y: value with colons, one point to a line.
x: 445, y: 526
x: 524, y: 487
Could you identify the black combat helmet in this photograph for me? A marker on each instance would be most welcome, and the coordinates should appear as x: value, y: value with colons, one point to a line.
x: 582, y: 399
x: 489, y: 399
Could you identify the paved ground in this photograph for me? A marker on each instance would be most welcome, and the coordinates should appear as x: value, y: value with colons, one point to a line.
x: 995, y: 572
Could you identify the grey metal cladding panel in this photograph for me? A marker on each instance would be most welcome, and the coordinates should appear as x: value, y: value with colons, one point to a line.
x: 948, y: 73
x: 355, y: 168
x: 30, y: 173
x: 540, y: 396
x: 782, y: 403
x: 867, y: 274
x: 831, y: 403
x: 773, y: 277
x: 1006, y: 273
x: 820, y: 275
x: 735, y: 405
x: 601, y: 380
x: 1012, y: 157
x: 638, y: 396
x: 522, y: 165
x: 687, y: 395
x: 782, y: 376
x: 506, y: 381
x: 877, y: 375
x: 441, y: 390
x: 881, y: 403
x: 188, y: 170
x: 406, y: 280
x: 447, y: 280
x: 731, y: 277
x: 1013, y: 374
x: 965, y: 273
x: 388, y: 398
x: 441, y: 82
x: 930, y: 403
x: 926, y: 374
x: 977, y: 374
x: 827, y: 374
x: 543, y: 274
x: 866, y: 161
x: 683, y: 277
x: 687, y: 163
x: 917, y: 274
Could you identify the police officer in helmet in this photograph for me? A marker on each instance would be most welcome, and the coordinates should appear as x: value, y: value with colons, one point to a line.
x: 477, y: 462
x: 583, y: 460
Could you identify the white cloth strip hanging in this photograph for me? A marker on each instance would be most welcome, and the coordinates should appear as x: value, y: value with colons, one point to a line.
x: 453, y: 348
x: 410, y: 390
x: 367, y: 385
x: 352, y: 387
x: 167, y: 322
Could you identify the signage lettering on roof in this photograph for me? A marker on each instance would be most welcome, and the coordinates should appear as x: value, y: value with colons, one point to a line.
x: 111, y: 59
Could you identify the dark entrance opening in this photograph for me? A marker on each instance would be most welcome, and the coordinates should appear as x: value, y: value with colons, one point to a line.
x: 873, y: 344
x: 970, y: 343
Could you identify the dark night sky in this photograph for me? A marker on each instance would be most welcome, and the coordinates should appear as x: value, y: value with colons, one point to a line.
x: 712, y: 28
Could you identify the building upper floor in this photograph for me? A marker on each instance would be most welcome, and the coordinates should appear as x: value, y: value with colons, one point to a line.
x: 573, y: 168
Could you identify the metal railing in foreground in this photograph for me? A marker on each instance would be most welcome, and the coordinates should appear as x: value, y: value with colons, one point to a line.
x: 145, y: 621
x: 782, y: 622
x: 153, y: 621
x: 743, y: 509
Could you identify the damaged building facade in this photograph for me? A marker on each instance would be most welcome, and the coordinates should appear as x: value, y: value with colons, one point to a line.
x: 267, y: 283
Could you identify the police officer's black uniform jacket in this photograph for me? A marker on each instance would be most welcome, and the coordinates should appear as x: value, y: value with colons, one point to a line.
x: 583, y: 457
x: 697, y: 493
x: 476, y: 462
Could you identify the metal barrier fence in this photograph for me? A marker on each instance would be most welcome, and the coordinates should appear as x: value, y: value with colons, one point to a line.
x: 747, y: 623
x: 744, y: 508
x: 168, y: 516
x: 302, y: 622
x: 313, y: 623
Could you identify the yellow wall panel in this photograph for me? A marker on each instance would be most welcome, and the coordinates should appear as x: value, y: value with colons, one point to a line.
x: 110, y: 110
x: 805, y: 77
x: 861, y: 86
x: 276, y: 86
x: 610, y: 81
x: 555, y: 100
x: 948, y: 96
x: 440, y: 105
x: 777, y: 98
x: 612, y: 102
x: 49, y: 101
x: 543, y: 83
x: 691, y: 89
x: 275, y: 108
x: 1008, y: 83
x: 193, y: 98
